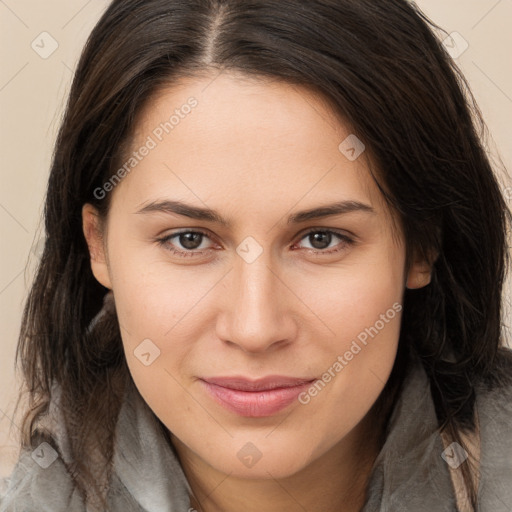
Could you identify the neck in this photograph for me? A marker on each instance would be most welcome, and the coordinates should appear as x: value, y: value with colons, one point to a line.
x: 336, y: 481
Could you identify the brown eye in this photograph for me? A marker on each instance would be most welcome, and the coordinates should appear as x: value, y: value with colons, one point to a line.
x: 190, y: 240
x: 184, y: 243
x: 321, y: 240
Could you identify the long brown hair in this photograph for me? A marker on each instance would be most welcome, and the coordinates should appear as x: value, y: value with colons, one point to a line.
x: 383, y: 69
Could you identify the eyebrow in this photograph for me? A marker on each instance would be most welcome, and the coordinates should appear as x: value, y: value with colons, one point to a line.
x: 209, y: 215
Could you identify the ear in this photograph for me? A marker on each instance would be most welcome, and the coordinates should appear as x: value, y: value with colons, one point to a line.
x: 420, y: 272
x: 93, y: 233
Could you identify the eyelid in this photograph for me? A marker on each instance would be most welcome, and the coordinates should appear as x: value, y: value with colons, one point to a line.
x: 315, y: 229
x: 347, y: 239
x: 164, y: 239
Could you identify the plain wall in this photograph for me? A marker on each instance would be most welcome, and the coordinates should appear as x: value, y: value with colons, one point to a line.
x: 33, y: 92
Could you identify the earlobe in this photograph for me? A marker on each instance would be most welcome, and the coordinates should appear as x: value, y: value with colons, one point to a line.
x: 93, y: 234
x: 418, y: 279
x: 420, y: 273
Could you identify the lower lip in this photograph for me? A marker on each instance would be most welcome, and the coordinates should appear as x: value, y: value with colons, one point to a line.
x: 254, y: 404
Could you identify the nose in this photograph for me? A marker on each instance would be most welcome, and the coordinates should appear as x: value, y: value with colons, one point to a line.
x: 256, y: 311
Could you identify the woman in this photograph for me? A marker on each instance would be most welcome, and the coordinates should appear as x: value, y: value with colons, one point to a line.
x: 273, y: 271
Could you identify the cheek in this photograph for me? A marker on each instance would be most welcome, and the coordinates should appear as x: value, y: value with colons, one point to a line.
x: 363, y: 310
x: 354, y: 373
x: 152, y: 295
x: 162, y: 315
x: 158, y: 313
x: 348, y: 300
x: 159, y: 319
x: 359, y: 353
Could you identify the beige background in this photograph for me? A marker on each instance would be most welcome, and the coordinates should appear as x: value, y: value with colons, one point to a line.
x: 33, y: 90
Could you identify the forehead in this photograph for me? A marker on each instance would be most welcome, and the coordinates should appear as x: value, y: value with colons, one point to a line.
x: 233, y: 107
x: 231, y: 136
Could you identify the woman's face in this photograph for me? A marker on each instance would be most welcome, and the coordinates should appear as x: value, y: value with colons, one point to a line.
x: 265, y: 280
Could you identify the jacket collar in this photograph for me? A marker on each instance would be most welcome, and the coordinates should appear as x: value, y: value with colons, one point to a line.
x: 144, y: 460
x: 410, y: 466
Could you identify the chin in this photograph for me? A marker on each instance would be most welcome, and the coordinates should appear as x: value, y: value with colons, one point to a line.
x: 261, y: 460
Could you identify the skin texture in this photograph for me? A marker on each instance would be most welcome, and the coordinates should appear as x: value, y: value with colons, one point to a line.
x: 256, y: 152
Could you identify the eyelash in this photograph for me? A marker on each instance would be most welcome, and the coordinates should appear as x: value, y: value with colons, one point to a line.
x: 164, y: 242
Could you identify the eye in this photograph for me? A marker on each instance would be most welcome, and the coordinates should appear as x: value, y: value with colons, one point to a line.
x: 321, y: 239
x: 190, y: 241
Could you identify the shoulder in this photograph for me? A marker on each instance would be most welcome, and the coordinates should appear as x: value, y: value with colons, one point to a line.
x: 494, y: 397
x: 40, y: 482
x: 495, y: 392
x: 40, y: 479
x: 494, y: 416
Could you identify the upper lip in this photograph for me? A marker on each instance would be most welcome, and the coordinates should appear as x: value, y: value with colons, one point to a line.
x: 262, y: 384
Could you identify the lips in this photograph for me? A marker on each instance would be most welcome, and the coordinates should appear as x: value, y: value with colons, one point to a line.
x: 255, y: 398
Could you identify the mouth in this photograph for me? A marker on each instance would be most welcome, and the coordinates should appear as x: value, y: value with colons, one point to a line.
x: 255, y: 398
